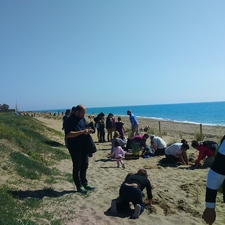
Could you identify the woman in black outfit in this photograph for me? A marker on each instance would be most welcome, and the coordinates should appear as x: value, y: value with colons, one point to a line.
x: 131, y: 191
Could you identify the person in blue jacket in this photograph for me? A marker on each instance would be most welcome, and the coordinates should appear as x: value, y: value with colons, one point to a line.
x: 134, y: 123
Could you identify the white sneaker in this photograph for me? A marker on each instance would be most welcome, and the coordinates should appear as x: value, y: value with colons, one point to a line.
x: 137, y: 211
x: 113, y: 207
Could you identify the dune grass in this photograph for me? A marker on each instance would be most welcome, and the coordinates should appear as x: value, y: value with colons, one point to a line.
x: 28, y: 153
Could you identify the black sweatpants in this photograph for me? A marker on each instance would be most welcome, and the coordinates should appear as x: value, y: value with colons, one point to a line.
x: 131, y: 194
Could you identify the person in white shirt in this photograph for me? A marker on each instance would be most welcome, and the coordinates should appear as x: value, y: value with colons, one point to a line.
x: 158, y: 145
x: 177, y: 153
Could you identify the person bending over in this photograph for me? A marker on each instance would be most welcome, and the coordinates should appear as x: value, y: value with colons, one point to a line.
x: 177, y: 152
x: 134, y: 123
x: 205, y: 153
x: 158, y: 145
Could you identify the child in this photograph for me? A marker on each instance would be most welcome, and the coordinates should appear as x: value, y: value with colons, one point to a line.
x: 118, y: 152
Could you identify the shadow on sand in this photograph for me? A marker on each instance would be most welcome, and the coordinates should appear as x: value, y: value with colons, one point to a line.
x: 127, y: 213
x: 163, y: 162
x: 39, y: 194
x: 53, y: 143
x: 104, y: 160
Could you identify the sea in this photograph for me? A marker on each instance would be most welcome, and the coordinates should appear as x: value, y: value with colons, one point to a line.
x: 206, y: 113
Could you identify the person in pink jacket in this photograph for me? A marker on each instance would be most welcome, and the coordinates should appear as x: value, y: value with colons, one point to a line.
x: 118, y: 152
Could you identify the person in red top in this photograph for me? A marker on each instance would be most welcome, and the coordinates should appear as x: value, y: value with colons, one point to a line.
x: 205, y: 153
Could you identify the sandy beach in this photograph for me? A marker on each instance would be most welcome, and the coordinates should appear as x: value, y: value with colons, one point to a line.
x: 178, y: 194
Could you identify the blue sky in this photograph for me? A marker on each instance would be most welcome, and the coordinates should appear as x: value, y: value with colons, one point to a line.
x: 56, y: 54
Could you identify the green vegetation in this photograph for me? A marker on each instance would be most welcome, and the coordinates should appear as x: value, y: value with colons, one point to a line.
x: 29, y: 135
x: 27, y: 167
x: 135, y: 148
x: 11, y: 211
x: 199, y: 137
x: 28, y: 153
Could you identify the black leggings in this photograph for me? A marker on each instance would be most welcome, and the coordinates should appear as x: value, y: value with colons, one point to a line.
x: 171, y: 159
x: 160, y: 151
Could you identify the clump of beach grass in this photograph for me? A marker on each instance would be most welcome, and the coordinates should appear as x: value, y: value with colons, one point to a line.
x: 199, y: 136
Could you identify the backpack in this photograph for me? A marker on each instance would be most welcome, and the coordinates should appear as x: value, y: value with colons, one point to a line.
x: 210, y: 144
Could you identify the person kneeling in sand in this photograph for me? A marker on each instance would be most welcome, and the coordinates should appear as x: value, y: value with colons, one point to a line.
x: 158, y: 145
x: 176, y: 153
x: 146, y: 150
x: 205, y: 153
x: 131, y: 191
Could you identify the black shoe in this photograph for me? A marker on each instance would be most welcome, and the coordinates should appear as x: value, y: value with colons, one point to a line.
x: 113, y: 207
x: 82, y: 190
x: 89, y: 187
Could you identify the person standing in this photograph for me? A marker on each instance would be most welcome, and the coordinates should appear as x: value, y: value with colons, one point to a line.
x: 101, y: 129
x: 67, y: 114
x: 100, y: 126
x: 216, y: 177
x: 134, y: 123
x: 109, y: 126
x: 79, y: 141
x: 118, y: 152
x: 119, y: 126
